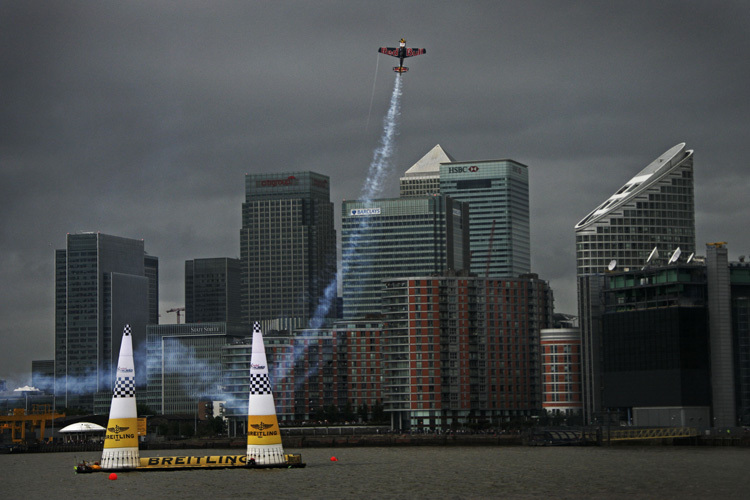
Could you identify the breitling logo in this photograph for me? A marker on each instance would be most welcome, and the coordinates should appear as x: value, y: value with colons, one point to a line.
x: 261, y: 430
x: 117, y: 429
x: 261, y: 426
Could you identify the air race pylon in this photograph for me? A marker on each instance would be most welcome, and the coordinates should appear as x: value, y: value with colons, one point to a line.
x: 121, y: 440
x: 263, y: 436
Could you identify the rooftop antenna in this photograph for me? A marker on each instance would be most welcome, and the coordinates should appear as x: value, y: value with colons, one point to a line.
x: 653, y: 255
x: 612, y: 265
x: 690, y: 258
x: 675, y: 256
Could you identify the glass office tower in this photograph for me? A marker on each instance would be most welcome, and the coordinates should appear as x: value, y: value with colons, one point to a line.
x: 102, y: 283
x: 498, y: 194
x: 212, y: 290
x: 287, y: 248
x: 399, y: 237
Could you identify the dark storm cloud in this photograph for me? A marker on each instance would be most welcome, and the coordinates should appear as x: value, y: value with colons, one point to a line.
x: 140, y: 119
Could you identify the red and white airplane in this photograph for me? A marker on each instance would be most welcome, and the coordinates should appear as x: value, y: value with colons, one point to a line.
x: 402, y: 51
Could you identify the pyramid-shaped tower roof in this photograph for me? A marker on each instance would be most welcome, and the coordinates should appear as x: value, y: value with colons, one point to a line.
x: 429, y: 164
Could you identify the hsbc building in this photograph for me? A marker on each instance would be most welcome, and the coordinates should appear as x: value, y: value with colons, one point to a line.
x: 498, y: 195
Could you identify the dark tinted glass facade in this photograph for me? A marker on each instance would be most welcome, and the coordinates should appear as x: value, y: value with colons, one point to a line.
x: 287, y: 248
x: 101, y: 285
x: 655, y: 339
x: 212, y: 290
x: 398, y: 237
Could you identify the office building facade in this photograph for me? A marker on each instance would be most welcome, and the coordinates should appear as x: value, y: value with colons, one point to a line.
x: 287, y: 248
x: 102, y: 283
x: 212, y: 290
x: 497, y: 192
x: 399, y: 237
x: 498, y: 195
x: 184, y: 364
x: 651, y: 216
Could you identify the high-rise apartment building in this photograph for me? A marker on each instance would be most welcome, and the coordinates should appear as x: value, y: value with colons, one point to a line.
x: 212, y: 290
x: 460, y: 350
x: 102, y: 283
x: 498, y: 195
x: 653, y: 210
x: 287, y: 248
x: 397, y: 237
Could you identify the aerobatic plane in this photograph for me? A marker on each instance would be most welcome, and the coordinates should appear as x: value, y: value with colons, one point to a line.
x: 402, y: 51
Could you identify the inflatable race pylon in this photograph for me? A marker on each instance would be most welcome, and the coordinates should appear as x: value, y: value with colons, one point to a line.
x: 121, y: 439
x: 263, y: 436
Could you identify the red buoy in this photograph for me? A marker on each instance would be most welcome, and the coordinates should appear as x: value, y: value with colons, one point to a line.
x: 112, y: 476
x: 334, y: 459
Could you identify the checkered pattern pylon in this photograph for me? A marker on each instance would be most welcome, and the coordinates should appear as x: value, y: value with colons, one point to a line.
x: 126, y: 330
x: 260, y: 384
x: 125, y: 387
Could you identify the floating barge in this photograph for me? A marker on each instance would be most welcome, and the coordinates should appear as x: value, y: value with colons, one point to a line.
x: 291, y: 461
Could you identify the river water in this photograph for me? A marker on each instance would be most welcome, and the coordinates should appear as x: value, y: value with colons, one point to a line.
x: 406, y: 472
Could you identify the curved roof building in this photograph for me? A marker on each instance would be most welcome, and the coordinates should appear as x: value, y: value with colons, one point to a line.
x: 654, y: 209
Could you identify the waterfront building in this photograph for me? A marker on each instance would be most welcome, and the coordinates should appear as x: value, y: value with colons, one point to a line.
x: 307, y: 370
x: 650, y: 217
x: 287, y: 248
x: 212, y: 290
x: 361, y: 342
x: 675, y: 337
x: 397, y: 237
x: 102, y: 283
x: 184, y: 364
x: 561, y: 370
x: 459, y: 350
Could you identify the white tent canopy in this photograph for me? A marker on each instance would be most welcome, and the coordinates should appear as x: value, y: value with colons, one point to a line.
x: 83, y: 427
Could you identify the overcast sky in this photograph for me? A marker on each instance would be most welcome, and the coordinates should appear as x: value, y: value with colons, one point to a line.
x: 140, y: 119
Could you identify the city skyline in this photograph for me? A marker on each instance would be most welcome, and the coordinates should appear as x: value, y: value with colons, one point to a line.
x: 141, y: 120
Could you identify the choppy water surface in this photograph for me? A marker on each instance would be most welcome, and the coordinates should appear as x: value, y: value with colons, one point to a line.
x: 414, y: 472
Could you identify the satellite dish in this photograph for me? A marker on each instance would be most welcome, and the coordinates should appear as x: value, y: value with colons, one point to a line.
x: 675, y: 256
x: 690, y: 257
x: 612, y: 265
x: 653, y: 255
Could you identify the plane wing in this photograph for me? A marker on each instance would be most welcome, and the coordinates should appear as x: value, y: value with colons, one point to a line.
x: 408, y: 52
x: 391, y: 51
x: 415, y: 52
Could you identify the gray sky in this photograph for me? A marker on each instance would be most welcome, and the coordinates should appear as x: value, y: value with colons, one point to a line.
x: 140, y: 119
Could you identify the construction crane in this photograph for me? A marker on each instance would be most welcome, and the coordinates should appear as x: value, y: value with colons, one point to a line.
x: 176, y: 310
x: 489, y: 250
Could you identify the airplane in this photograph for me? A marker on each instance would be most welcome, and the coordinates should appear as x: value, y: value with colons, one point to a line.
x: 401, y: 52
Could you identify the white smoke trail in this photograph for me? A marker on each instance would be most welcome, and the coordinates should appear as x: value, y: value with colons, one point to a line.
x: 373, y: 186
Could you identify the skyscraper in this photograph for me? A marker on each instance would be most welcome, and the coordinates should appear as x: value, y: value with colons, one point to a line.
x: 212, y: 290
x: 101, y: 284
x: 287, y: 248
x: 398, y: 237
x: 498, y: 195
x: 653, y: 210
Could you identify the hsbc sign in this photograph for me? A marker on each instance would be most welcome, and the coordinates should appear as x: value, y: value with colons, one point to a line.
x: 463, y: 170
